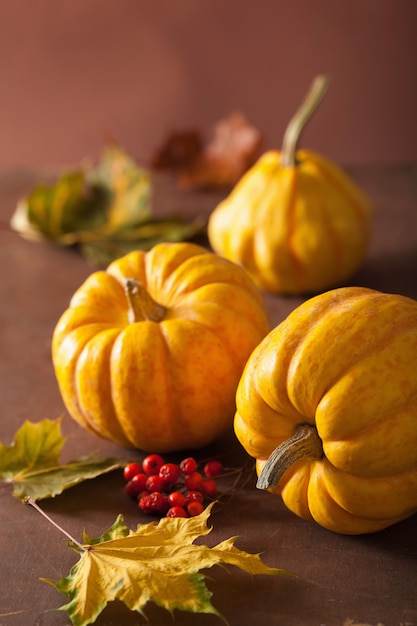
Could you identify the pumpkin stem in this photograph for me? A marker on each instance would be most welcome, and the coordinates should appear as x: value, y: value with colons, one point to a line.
x: 141, y: 305
x: 292, y: 134
x: 305, y: 443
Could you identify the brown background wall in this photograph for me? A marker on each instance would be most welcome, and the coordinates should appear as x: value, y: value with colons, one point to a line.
x: 73, y: 72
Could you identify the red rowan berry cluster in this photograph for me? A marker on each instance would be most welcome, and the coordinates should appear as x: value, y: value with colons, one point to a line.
x: 170, y: 489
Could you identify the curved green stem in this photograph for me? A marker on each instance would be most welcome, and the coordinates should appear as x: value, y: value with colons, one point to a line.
x: 292, y: 134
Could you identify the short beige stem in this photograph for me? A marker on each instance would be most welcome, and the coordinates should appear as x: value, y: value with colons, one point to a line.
x: 301, y: 117
x: 141, y: 305
x: 305, y: 443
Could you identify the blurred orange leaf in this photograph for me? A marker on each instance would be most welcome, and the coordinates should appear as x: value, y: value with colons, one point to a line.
x: 218, y: 163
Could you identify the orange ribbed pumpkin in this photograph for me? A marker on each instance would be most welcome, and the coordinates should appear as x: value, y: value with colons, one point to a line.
x: 295, y: 220
x: 327, y: 405
x: 150, y: 351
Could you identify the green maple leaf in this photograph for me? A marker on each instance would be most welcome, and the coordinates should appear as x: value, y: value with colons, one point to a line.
x: 31, y: 462
x: 157, y: 563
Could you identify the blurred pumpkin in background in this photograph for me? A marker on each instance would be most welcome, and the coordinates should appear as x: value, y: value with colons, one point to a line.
x: 150, y: 351
x: 295, y: 220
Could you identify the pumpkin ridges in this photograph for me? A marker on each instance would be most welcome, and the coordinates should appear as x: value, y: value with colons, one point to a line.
x: 374, y: 424
x: 140, y: 386
x: 319, y: 234
x: 234, y: 213
x: 190, y: 347
x: 250, y: 248
x: 293, y: 256
x: 322, y: 212
x: 102, y: 292
x: 298, y: 474
x: 293, y: 331
x: 155, y: 416
x: 132, y: 264
x: 344, y: 186
x: 192, y: 401
x: 217, y: 298
x: 372, y: 497
x: 342, y: 319
x: 367, y: 479
x: 384, y: 339
x: 205, y: 316
x: 312, y: 242
x: 358, y: 204
x: 164, y: 260
x: 329, y: 514
x: 197, y: 272
x: 66, y: 349
x: 297, y: 338
x: 93, y: 386
x: 291, y: 337
x: 292, y: 222
x: 271, y: 238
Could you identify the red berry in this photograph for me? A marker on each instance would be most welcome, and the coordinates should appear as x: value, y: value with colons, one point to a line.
x: 193, y: 496
x: 213, y: 468
x: 188, y: 466
x: 169, y: 472
x: 176, y: 511
x: 152, y: 503
x: 130, y: 470
x: 155, y: 483
x: 152, y: 463
x: 137, y: 484
x: 144, y: 503
x: 176, y: 498
x: 193, y: 480
x: 158, y: 502
x: 208, y: 487
x: 195, y: 508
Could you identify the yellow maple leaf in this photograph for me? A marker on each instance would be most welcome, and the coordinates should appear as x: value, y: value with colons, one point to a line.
x: 157, y: 563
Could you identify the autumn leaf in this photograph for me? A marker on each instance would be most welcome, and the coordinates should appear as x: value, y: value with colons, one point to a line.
x: 58, y: 212
x: 128, y: 188
x: 178, y: 151
x: 217, y: 163
x: 158, y: 562
x: 105, y: 210
x: 31, y: 463
x: 144, y: 236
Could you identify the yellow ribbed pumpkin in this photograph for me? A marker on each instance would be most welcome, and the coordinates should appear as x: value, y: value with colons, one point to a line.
x: 150, y: 351
x: 296, y: 221
x: 327, y: 405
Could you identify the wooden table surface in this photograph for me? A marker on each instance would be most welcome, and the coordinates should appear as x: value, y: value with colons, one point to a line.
x: 341, y: 580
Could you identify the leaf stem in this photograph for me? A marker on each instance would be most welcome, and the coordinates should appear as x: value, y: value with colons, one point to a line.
x: 32, y: 502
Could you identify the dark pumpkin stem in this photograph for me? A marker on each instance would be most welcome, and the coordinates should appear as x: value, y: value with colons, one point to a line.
x: 305, y: 443
x: 141, y: 304
x: 300, y: 119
